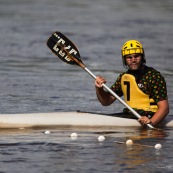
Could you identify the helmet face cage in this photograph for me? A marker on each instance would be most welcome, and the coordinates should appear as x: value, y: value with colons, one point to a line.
x: 125, y: 64
x: 132, y: 47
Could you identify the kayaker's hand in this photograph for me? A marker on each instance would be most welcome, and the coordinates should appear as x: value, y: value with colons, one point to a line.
x: 144, y: 120
x: 99, y: 81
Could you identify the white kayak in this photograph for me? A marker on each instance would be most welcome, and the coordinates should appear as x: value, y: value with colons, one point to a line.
x: 69, y: 119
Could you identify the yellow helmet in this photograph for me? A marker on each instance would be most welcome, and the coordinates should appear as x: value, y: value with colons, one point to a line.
x: 131, y: 47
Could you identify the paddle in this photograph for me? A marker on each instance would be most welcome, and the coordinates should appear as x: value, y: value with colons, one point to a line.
x: 61, y: 46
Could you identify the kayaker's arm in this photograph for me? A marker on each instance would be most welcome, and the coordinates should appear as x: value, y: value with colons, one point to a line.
x: 104, y: 97
x: 163, y: 110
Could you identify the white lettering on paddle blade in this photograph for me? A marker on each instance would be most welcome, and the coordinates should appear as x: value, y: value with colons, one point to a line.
x: 61, y: 41
x: 68, y: 59
x: 58, y: 47
x: 62, y: 53
x: 73, y: 51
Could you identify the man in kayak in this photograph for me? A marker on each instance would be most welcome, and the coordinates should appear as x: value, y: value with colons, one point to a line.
x: 143, y: 87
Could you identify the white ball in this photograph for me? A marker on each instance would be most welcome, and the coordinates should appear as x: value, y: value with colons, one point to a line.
x: 129, y: 142
x: 101, y: 138
x: 47, y: 132
x: 74, y: 135
x: 158, y: 146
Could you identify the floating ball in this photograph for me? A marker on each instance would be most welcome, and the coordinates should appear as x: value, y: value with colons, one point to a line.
x: 47, y: 132
x: 129, y: 142
x: 101, y: 138
x: 158, y: 146
x: 74, y: 135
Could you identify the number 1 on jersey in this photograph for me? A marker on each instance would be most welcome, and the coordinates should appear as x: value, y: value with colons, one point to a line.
x: 127, y: 83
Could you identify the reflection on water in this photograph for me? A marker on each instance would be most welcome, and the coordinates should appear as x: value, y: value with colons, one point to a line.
x: 32, y: 79
x: 57, y: 151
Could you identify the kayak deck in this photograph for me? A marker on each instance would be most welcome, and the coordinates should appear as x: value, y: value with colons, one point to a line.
x: 69, y: 119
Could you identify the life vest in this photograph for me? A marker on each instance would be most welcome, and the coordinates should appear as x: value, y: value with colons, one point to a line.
x: 134, y: 97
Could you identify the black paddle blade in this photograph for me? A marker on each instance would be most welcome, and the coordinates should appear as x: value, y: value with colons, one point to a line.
x: 61, y: 46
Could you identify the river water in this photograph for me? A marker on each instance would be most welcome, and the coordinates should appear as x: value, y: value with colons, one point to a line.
x: 32, y: 79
